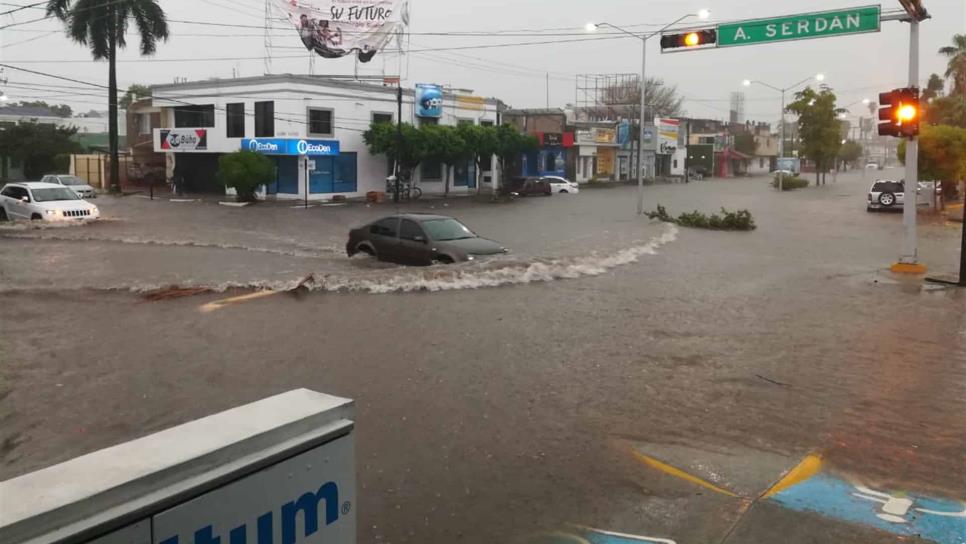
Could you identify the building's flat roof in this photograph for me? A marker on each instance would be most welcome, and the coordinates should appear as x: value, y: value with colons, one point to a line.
x: 339, y: 82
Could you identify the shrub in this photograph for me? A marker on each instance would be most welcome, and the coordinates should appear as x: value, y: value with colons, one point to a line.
x: 737, y: 220
x: 790, y: 183
x: 245, y: 171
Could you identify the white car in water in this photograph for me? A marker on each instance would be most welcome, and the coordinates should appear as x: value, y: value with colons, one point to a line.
x: 75, y: 183
x: 561, y: 185
x: 38, y: 201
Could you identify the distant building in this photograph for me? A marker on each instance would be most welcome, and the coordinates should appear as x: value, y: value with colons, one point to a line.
x: 555, y: 155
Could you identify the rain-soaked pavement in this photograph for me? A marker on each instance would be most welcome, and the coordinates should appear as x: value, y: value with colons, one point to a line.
x: 611, y: 377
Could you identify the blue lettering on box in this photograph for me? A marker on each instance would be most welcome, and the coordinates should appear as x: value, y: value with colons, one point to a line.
x: 308, y: 504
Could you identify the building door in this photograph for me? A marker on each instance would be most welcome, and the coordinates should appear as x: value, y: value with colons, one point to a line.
x: 346, y: 173
x: 200, y: 172
x: 464, y: 175
x: 288, y: 175
x: 322, y: 179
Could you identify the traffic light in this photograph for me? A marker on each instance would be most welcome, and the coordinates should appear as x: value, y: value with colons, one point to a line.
x: 900, y: 110
x: 693, y: 39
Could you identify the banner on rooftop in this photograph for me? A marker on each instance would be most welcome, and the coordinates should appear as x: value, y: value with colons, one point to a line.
x: 336, y: 28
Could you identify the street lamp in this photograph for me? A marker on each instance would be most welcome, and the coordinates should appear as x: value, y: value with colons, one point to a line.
x: 591, y: 27
x: 781, y: 143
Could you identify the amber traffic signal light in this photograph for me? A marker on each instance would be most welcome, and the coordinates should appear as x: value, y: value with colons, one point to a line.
x: 693, y: 39
x: 900, y: 110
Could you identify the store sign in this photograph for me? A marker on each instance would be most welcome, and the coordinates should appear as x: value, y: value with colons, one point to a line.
x: 291, y: 146
x: 183, y: 139
x: 472, y: 103
x: 336, y: 28
x: 668, y: 131
x: 552, y: 139
x: 624, y: 132
x: 429, y: 100
x: 606, y: 136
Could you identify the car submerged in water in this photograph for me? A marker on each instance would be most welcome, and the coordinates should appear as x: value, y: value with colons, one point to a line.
x: 420, y: 239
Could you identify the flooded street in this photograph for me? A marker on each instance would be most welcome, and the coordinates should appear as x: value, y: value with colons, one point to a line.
x: 516, y: 399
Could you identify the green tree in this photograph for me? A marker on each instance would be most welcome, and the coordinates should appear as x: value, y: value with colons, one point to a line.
x: 818, y: 127
x: 37, y: 146
x: 510, y: 145
x: 934, y: 88
x: 942, y: 155
x: 134, y: 93
x: 102, y: 27
x: 850, y: 152
x: 481, y: 144
x: 956, y: 69
x: 60, y: 110
x: 245, y: 171
x: 949, y: 110
x: 444, y: 144
x: 745, y: 143
x: 381, y: 139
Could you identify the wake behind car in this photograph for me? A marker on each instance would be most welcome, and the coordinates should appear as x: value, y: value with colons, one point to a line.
x: 420, y: 239
x: 75, y: 183
x: 44, y: 202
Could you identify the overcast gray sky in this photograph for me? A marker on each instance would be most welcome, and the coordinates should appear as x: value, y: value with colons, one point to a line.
x: 856, y: 67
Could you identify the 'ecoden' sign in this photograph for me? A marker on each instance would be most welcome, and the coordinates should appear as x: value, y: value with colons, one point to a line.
x: 800, y: 27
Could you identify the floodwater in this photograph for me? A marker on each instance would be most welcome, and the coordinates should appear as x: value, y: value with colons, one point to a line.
x: 500, y: 401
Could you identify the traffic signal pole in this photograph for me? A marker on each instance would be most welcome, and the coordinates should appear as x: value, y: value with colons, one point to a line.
x: 909, y: 261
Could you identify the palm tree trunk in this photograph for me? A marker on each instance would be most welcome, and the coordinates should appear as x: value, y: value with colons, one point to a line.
x: 112, y: 113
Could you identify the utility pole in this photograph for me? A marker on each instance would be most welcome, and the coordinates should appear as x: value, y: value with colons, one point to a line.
x: 399, y: 139
x: 909, y: 260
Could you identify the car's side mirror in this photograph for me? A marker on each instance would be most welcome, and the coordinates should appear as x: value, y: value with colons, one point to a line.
x: 420, y: 239
x: 25, y: 199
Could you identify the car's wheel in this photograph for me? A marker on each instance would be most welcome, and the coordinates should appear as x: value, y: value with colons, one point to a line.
x: 3, y: 214
x: 887, y: 199
x: 443, y: 259
x: 36, y: 217
x: 367, y: 249
x: 563, y: 191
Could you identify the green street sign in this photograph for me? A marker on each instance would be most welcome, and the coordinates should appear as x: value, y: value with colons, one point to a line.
x: 800, y: 27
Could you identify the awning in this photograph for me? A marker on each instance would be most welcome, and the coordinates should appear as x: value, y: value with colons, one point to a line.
x: 733, y: 154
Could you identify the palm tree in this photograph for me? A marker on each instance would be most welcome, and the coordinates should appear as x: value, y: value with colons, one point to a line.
x: 957, y: 63
x: 101, y: 25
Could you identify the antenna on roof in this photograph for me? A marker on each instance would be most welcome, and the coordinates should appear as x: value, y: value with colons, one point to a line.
x: 268, y: 37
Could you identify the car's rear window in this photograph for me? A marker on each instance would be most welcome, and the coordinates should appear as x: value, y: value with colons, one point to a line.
x: 885, y: 187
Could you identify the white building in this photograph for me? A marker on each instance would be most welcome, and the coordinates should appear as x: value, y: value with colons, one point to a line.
x: 304, y: 122
x: 84, y: 125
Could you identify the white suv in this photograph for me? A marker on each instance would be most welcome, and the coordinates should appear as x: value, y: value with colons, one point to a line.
x: 561, y: 185
x: 886, y: 194
x: 75, y: 183
x: 44, y: 202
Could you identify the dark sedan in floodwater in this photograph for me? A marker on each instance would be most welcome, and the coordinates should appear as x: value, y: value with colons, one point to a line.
x: 420, y: 239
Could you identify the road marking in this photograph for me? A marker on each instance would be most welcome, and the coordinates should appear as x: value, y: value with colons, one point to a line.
x: 807, y: 488
x: 599, y: 536
x: 810, y: 466
x: 589, y: 535
x: 678, y: 473
x: 212, y: 306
